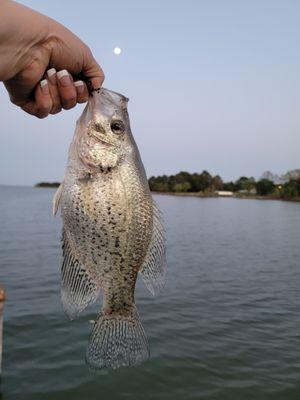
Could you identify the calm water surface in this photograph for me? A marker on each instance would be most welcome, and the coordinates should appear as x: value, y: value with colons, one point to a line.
x: 227, y: 325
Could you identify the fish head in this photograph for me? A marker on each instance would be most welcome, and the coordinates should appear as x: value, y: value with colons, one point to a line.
x: 103, y: 135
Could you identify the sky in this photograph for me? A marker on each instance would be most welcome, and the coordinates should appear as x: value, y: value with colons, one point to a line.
x: 212, y: 85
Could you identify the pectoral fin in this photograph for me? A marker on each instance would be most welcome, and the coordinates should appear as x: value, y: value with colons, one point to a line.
x: 56, y: 199
x: 153, y: 270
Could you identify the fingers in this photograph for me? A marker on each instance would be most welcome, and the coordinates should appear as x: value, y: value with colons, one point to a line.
x: 64, y: 91
x: 42, y: 105
x: 70, y: 92
x: 52, y: 79
x: 56, y: 92
x: 82, y: 91
x: 66, y: 88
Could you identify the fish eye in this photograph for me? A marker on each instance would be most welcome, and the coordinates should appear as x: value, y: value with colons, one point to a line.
x: 117, y: 127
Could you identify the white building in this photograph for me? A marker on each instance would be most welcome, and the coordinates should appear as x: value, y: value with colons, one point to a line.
x: 224, y: 193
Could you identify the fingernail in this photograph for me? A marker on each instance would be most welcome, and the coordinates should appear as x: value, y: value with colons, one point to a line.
x: 44, y: 86
x: 51, y: 73
x: 64, y: 77
x: 79, y: 86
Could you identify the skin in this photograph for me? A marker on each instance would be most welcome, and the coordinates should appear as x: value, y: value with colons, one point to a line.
x: 30, y: 45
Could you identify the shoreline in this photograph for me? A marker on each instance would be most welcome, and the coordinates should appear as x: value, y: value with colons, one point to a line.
x: 200, y: 195
x: 235, y: 196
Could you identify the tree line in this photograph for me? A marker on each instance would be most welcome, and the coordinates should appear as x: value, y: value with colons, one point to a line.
x: 284, y: 186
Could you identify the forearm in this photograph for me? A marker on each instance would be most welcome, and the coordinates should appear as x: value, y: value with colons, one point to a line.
x: 20, y: 30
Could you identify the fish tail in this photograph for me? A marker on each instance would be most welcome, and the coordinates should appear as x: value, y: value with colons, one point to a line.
x: 117, y: 341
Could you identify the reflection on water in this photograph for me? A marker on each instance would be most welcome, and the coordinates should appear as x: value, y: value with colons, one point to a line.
x: 226, y: 326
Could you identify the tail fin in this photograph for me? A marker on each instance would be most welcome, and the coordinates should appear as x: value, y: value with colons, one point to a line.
x: 117, y: 341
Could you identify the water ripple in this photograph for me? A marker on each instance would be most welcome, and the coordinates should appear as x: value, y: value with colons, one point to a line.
x: 226, y: 326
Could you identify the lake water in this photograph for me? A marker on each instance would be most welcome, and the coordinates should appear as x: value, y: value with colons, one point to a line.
x: 227, y: 325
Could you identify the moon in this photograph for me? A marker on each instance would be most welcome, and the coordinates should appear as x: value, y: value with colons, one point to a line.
x: 117, y: 51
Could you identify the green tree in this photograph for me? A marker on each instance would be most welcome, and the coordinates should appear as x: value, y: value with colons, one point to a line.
x: 204, y: 181
x: 244, y: 183
x: 230, y: 186
x: 195, y: 182
x: 291, y: 189
x: 265, y: 187
x: 216, y: 183
x: 159, y: 183
x: 182, y: 187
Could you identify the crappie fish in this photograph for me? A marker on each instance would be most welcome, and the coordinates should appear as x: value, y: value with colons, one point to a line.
x: 112, y: 230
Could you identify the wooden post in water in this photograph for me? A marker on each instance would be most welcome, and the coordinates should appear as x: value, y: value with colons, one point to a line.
x: 2, y: 300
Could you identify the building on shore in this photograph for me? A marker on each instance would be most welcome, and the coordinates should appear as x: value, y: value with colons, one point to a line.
x: 224, y: 193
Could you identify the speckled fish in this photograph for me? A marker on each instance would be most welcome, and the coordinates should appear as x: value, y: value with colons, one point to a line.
x: 112, y: 230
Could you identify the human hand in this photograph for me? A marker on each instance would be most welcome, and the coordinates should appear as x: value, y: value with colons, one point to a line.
x: 30, y: 45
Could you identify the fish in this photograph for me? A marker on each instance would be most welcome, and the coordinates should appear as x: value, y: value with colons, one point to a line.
x: 112, y: 232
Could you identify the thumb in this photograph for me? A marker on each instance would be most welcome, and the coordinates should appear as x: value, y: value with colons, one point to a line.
x: 92, y: 72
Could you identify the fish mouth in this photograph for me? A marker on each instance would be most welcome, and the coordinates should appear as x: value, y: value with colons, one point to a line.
x: 104, y: 91
x: 100, y: 138
x: 99, y: 134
